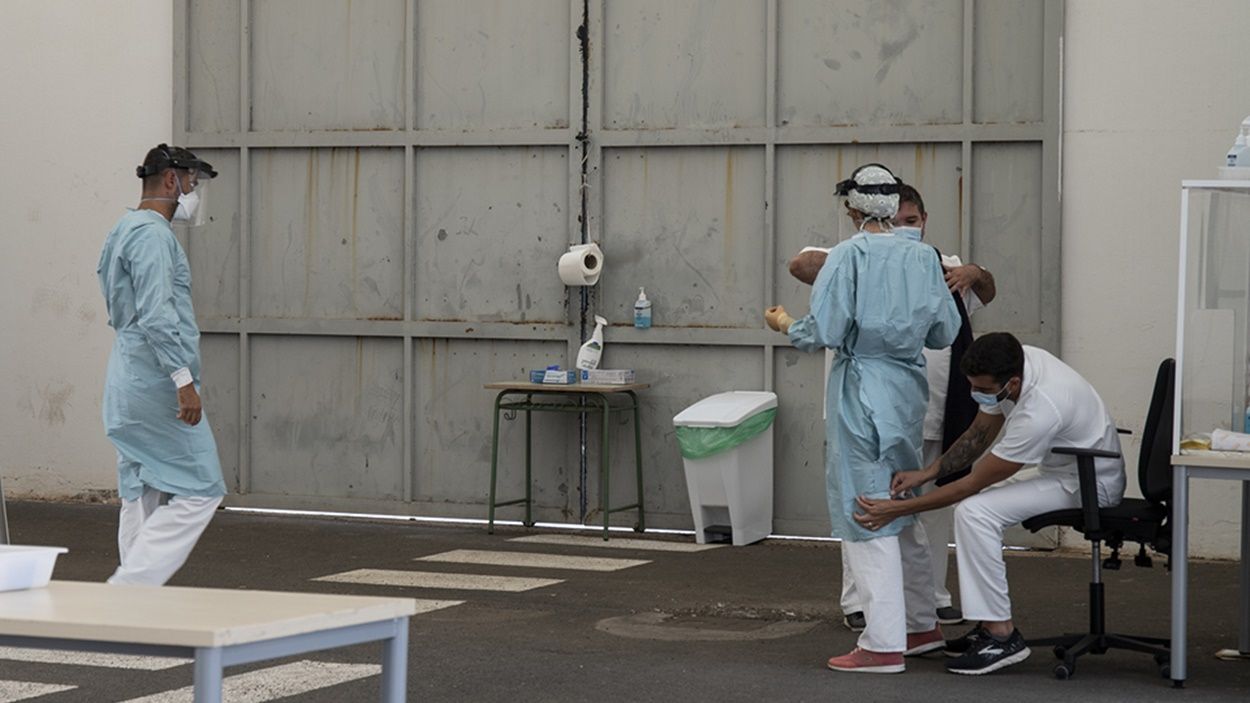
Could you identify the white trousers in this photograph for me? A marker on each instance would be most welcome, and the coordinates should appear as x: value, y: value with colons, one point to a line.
x: 938, y: 527
x: 979, y: 524
x: 156, y: 533
x: 893, y: 605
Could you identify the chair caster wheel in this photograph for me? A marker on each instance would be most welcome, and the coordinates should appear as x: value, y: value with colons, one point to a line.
x: 1166, y: 671
x: 1060, y: 652
x: 1063, y: 672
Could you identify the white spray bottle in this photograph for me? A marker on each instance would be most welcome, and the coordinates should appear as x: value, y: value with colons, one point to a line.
x: 592, y: 350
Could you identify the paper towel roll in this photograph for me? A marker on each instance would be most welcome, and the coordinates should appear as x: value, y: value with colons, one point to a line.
x: 581, y: 265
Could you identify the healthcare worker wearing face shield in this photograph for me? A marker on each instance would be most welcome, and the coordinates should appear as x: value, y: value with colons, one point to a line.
x: 879, y: 300
x: 1038, y: 403
x: 169, y: 475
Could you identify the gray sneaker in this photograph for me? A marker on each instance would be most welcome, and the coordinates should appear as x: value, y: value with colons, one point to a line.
x: 950, y: 615
x: 854, y: 622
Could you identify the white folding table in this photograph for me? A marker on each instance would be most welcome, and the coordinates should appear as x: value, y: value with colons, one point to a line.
x: 1206, y: 465
x: 215, y: 627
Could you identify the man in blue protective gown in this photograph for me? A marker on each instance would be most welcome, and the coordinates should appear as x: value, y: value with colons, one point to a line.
x: 169, y: 476
x: 879, y: 300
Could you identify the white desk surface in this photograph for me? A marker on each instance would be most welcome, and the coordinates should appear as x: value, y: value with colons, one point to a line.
x: 185, y: 617
x: 1212, y: 460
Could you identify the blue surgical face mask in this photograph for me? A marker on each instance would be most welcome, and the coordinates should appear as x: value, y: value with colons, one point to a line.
x: 913, y: 233
x: 991, y: 401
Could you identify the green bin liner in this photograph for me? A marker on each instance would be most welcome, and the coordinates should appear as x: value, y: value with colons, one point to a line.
x: 702, y: 442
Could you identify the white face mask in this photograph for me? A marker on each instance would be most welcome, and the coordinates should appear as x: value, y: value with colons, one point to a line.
x: 188, y: 203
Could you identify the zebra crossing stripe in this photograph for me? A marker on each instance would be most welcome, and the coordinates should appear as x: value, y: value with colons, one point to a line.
x: 649, y: 545
x: 274, y: 683
x: 430, y: 579
x: 14, y: 691
x: 111, y: 661
x: 532, y: 560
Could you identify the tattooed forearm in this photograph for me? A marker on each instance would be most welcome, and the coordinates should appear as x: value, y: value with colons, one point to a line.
x: 966, y: 449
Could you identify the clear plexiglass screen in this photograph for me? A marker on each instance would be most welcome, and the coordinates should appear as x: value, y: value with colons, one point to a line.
x: 1216, y: 289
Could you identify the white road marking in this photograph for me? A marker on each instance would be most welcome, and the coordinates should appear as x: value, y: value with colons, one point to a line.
x: 112, y: 661
x: 533, y: 561
x: 14, y: 691
x: 432, y: 579
x: 650, y: 545
x: 275, y: 682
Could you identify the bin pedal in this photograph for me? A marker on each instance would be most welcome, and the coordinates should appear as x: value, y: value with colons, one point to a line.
x: 721, y: 532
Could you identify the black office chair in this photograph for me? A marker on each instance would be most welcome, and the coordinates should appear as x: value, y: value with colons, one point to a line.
x: 1145, y: 521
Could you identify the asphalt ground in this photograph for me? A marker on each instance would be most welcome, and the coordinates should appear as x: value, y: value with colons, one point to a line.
x: 728, y: 624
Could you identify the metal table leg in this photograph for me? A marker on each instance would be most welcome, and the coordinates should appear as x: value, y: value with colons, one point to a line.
x: 1243, y: 637
x: 494, y: 464
x: 4, y: 518
x: 642, y: 518
x: 529, y: 454
x: 605, y: 474
x: 395, y: 664
x: 208, y: 675
x: 1180, y: 573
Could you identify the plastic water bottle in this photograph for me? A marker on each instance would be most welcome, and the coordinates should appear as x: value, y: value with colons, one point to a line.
x: 642, y: 311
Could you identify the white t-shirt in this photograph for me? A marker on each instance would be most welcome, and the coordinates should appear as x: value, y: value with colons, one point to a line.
x: 937, y: 365
x: 1059, y: 408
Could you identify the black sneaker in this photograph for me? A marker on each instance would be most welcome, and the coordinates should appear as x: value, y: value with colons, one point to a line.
x: 854, y: 622
x: 949, y: 615
x: 960, y: 645
x: 989, y: 654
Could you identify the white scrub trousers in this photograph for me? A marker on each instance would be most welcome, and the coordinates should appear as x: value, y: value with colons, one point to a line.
x: 939, y: 530
x: 892, y: 606
x: 155, y: 539
x: 979, y: 524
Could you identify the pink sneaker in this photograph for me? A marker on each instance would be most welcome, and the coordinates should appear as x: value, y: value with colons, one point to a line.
x: 866, y: 662
x: 919, y: 643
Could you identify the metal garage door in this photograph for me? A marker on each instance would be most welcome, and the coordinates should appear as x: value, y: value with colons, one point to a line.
x: 399, y: 176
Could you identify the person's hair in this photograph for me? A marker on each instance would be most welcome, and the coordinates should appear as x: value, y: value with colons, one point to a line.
x: 908, y: 194
x: 997, y: 355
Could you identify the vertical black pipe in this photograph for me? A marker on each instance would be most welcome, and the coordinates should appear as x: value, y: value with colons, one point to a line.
x: 583, y: 138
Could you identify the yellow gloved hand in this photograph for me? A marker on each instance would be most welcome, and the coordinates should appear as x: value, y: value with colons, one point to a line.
x: 778, y: 319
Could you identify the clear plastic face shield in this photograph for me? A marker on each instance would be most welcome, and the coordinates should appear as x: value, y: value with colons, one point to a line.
x: 192, y: 198
x: 867, y: 201
x: 191, y: 178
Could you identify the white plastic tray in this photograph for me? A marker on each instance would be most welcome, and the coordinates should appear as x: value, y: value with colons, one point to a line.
x: 26, y: 567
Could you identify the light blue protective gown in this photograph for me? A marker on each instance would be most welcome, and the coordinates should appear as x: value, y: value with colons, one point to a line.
x: 879, y: 300
x: 146, y: 283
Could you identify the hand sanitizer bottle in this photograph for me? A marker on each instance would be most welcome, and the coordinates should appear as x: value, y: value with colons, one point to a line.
x: 1235, y: 154
x: 642, y: 311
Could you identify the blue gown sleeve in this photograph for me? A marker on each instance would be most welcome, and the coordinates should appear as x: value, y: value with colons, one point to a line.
x: 151, y: 267
x: 832, y: 305
x: 947, y: 321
